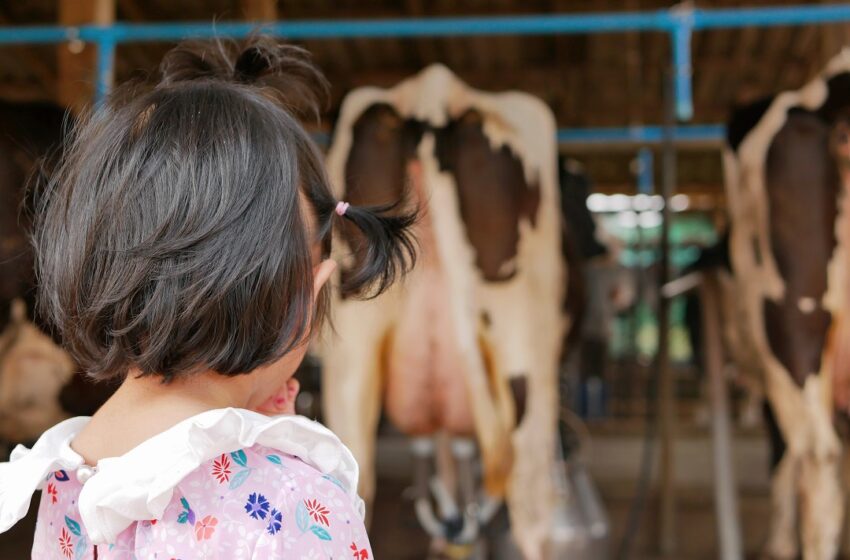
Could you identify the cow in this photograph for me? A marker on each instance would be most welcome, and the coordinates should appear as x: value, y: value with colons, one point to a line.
x: 787, y: 173
x: 470, y: 343
x: 33, y: 372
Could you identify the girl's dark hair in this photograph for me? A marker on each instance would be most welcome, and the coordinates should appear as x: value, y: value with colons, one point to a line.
x: 175, y: 235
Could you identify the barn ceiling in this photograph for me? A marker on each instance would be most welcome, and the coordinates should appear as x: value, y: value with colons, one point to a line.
x: 588, y: 80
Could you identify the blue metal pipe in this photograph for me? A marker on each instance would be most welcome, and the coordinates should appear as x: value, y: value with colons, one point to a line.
x: 678, y: 22
x: 632, y: 136
x: 772, y: 16
x: 681, y: 46
x: 40, y: 34
x: 700, y: 133
x: 545, y: 24
x: 542, y: 24
x: 105, y: 68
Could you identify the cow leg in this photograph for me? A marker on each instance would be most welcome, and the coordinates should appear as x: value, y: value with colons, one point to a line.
x: 529, y: 359
x: 822, y: 505
x: 845, y: 490
x: 808, y: 471
x: 351, y: 383
x: 785, y: 419
x: 782, y: 542
x: 748, y: 416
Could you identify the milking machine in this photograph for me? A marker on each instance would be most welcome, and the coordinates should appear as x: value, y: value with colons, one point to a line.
x: 580, y: 527
x: 465, y: 523
x: 462, y: 511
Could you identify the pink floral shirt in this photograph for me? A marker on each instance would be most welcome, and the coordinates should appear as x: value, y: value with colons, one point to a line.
x: 248, y: 504
x: 253, y: 502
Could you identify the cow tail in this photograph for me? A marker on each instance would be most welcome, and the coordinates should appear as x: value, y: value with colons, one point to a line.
x: 383, y: 248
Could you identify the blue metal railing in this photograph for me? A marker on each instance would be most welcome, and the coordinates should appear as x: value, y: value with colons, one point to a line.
x: 771, y: 16
x: 697, y: 133
x: 543, y: 24
x: 645, y: 178
x: 679, y: 23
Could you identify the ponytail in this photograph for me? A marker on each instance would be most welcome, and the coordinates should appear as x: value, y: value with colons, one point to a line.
x: 382, y: 244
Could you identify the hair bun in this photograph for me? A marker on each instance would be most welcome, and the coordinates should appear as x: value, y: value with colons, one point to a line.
x: 284, y: 71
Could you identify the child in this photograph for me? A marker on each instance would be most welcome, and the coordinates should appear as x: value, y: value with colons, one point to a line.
x: 182, y: 247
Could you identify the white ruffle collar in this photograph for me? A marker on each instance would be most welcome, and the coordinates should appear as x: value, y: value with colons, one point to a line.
x: 138, y: 485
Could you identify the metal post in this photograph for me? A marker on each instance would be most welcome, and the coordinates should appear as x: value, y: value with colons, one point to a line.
x: 725, y: 500
x: 105, y: 65
x: 666, y: 401
x: 645, y: 172
x: 681, y: 47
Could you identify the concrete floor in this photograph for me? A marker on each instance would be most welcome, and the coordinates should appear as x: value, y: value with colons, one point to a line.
x: 613, y: 459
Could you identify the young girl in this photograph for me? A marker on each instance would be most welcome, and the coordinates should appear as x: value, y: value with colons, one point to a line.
x: 182, y: 247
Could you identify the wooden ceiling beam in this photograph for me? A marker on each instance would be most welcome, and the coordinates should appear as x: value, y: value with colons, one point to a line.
x: 24, y: 92
x: 745, y: 87
x: 77, y: 63
x: 259, y: 10
x: 37, y: 66
x: 130, y: 10
x: 137, y: 57
x: 634, y: 74
x: 426, y: 47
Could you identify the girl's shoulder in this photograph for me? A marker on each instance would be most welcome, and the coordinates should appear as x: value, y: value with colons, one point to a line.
x: 260, y: 495
x: 254, y: 502
x: 265, y: 469
x: 217, y: 455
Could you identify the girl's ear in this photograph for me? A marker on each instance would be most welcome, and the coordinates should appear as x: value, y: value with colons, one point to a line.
x: 322, y: 274
x: 283, y: 401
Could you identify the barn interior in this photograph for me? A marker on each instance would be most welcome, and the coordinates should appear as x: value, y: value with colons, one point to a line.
x: 661, y: 431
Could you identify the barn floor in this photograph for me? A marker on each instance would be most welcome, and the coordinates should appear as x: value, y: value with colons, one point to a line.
x: 613, y: 460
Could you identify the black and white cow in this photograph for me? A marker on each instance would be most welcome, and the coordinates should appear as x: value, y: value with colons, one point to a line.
x: 470, y: 343
x: 787, y: 176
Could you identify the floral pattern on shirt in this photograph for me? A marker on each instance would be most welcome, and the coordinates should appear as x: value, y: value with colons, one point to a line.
x: 250, y: 504
x: 221, y: 469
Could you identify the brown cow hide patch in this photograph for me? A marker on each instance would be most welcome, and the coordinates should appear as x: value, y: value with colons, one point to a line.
x: 493, y: 194
x: 382, y: 144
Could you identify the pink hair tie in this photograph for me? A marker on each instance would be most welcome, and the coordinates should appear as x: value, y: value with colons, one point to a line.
x: 342, y: 208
